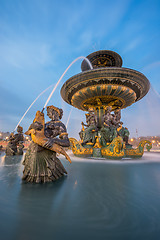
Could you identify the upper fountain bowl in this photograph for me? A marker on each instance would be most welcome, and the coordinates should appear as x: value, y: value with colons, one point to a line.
x: 102, y: 58
x: 107, y: 84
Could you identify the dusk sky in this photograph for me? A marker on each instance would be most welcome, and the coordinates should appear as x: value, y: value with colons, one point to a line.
x: 40, y: 38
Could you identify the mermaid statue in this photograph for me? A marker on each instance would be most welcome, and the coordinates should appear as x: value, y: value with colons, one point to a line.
x: 15, y: 145
x: 41, y: 163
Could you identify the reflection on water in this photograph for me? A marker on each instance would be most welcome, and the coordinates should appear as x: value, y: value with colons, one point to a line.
x: 97, y: 200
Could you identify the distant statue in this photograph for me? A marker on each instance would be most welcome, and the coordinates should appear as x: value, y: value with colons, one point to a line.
x: 20, y: 140
x: 11, y: 148
x: 88, y: 134
x: 15, y: 145
x: 41, y: 163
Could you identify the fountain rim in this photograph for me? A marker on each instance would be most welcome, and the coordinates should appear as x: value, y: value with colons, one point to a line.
x: 109, y: 69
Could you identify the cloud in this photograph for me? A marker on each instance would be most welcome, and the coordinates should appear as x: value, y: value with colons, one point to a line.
x: 133, y: 44
x: 21, y: 54
x: 151, y: 66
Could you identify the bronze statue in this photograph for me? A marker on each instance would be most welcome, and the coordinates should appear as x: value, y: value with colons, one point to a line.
x: 15, y: 145
x: 20, y: 140
x: 88, y: 135
x: 108, y: 130
x: 117, y: 114
x: 123, y: 132
x: 107, y: 117
x: 55, y: 128
x: 115, y: 118
x: 41, y: 163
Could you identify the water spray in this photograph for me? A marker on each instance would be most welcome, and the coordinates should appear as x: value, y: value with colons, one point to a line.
x: 69, y: 117
x: 155, y: 91
x: 81, y: 57
x: 31, y: 106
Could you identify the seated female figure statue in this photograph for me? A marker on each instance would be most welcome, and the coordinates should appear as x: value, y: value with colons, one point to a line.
x: 123, y: 132
x: 108, y: 131
x: 41, y: 164
x: 88, y: 135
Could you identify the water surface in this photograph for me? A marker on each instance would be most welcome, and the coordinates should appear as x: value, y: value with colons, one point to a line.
x: 97, y: 200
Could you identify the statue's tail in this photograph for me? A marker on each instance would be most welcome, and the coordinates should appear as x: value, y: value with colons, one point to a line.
x: 58, y: 149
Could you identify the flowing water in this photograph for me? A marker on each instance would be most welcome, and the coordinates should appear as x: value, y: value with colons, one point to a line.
x: 97, y: 200
x: 81, y: 57
x: 31, y: 106
x: 55, y: 87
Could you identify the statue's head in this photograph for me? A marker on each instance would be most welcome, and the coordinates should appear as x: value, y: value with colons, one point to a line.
x: 91, y: 110
x: 108, y: 109
x: 19, y: 129
x: 12, y: 134
x: 54, y: 113
x: 37, y: 124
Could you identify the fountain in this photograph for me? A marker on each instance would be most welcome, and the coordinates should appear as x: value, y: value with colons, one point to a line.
x: 106, y: 88
x: 102, y: 200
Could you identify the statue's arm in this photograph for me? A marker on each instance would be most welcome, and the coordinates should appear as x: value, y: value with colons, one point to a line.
x: 62, y: 140
x: 83, y: 124
x: 63, y: 136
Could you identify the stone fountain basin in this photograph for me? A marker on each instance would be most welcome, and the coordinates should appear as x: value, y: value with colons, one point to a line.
x: 115, y: 86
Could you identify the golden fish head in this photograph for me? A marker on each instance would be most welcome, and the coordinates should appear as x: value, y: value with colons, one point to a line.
x: 39, y: 117
x: 30, y: 131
